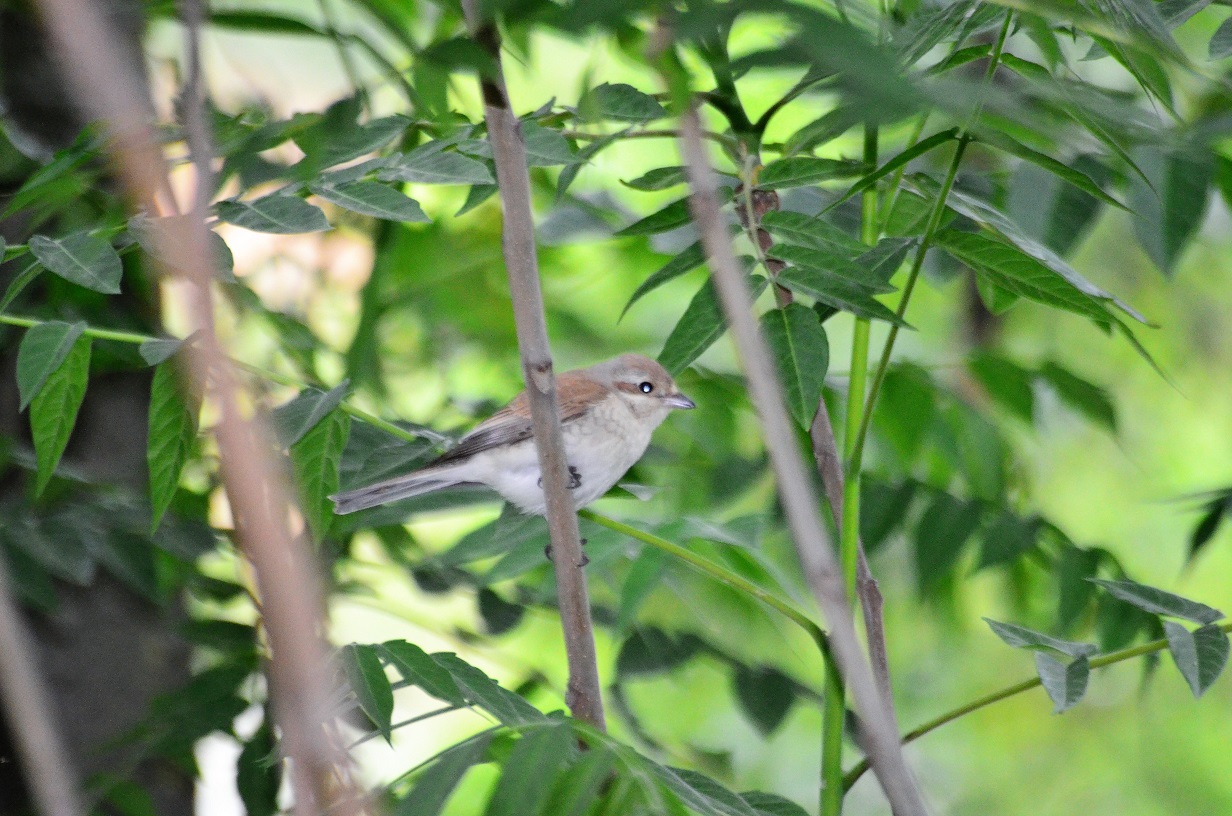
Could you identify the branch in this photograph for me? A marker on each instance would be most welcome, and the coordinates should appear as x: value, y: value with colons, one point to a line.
x: 795, y: 487
x: 109, y: 89
x: 584, y: 697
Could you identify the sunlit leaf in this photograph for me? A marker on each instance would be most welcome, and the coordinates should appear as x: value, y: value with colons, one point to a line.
x: 418, y: 667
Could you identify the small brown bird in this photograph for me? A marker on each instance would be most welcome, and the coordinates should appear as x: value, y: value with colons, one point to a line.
x: 607, y: 412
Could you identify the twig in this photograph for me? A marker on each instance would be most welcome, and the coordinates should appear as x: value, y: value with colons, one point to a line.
x: 108, y: 90
x: 584, y: 696
x: 795, y: 488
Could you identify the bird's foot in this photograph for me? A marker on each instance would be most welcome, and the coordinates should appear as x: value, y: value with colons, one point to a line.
x: 575, y: 479
x: 547, y: 553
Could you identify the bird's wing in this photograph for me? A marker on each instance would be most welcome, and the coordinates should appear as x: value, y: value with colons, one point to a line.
x: 576, y: 393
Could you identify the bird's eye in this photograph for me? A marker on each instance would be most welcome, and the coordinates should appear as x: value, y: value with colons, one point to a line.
x: 646, y: 387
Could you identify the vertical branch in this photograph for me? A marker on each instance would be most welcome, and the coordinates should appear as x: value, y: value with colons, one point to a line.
x: 817, y: 557
x: 44, y: 761
x: 288, y: 585
x: 509, y: 153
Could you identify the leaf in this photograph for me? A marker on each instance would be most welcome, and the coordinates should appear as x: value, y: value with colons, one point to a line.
x: 702, y: 794
x: 81, y: 258
x: 366, y: 675
x: 278, y: 213
x: 621, y: 103
x: 1221, y: 41
x: 660, y: 178
x: 302, y: 413
x: 670, y: 217
x: 336, y: 138
x: 374, y: 199
x: 433, y: 787
x: 770, y: 804
x: 1200, y: 655
x: 159, y: 238
x: 1085, y: 397
x: 1023, y: 638
x: 837, y: 263
x: 531, y: 771
x: 650, y: 650
x: 1171, y: 208
x: 172, y: 431
x: 23, y: 279
x: 437, y: 167
x: 944, y: 528
x: 546, y: 147
x: 578, y: 787
x: 901, y: 160
x: 481, y: 690
x: 808, y: 231
x: 1065, y: 683
x: 418, y: 667
x: 802, y: 354
x: 1006, y: 382
x: 837, y: 291
x: 315, y: 461
x: 54, y: 411
x: 256, y: 779
x: 689, y: 259
x: 644, y: 575
x: 1066, y: 172
x: 1007, y: 538
x: 157, y: 349
x: 1159, y: 602
x: 499, y: 616
x: 41, y: 352
x: 765, y: 694
x: 1012, y: 269
x: 478, y: 194
x: 799, y: 171
x: 1206, y: 528
x: 882, y: 509
x: 263, y: 23
x: 701, y: 324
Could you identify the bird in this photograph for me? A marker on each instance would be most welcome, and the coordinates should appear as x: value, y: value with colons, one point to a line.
x: 607, y: 411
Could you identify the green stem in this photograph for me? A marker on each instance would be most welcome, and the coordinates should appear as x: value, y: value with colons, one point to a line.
x: 1010, y: 691
x: 98, y: 334
x: 719, y: 574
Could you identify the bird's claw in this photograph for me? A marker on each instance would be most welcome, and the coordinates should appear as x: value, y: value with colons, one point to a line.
x: 547, y: 553
x: 575, y: 479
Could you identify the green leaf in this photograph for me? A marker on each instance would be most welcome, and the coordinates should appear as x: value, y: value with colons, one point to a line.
x: 901, y: 160
x: 1221, y: 41
x: 315, y: 460
x: 944, y: 528
x: 1066, y: 172
x: 437, y: 167
x: 1023, y: 638
x: 621, y: 103
x: 809, y: 231
x: 660, y: 178
x: 1170, y: 210
x: 1006, y: 382
x: 702, y: 794
x: 650, y: 650
x: 278, y: 213
x: 418, y: 667
x: 481, y: 690
x: 577, y: 789
x: 836, y: 291
x: 546, y: 147
x: 257, y: 780
x: 670, y: 217
x: 1066, y: 683
x: 765, y: 694
x: 823, y: 130
x: 1200, y: 655
x: 883, y: 508
x: 1081, y: 395
x: 57, y: 545
x: 433, y: 787
x: 23, y: 279
x: 366, y: 675
x: 374, y: 199
x: 701, y: 324
x: 83, y: 259
x: 800, y: 171
x: 159, y: 238
x: 336, y: 138
x: 499, y: 616
x: 1014, y: 270
x: 54, y: 411
x: 172, y: 431
x: 302, y: 413
x: 689, y: 259
x: 478, y: 194
x: 1007, y: 538
x: 157, y: 349
x: 263, y: 23
x: 644, y: 575
x: 531, y: 771
x: 770, y: 804
x: 837, y: 263
x: 1159, y: 602
x: 802, y: 353
x: 41, y: 352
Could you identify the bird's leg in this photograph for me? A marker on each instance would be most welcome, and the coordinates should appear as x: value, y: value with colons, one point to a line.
x: 575, y: 479
x: 547, y: 552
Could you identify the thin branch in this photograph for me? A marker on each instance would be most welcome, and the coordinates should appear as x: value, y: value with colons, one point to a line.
x: 795, y: 487
x: 513, y: 180
x: 108, y: 89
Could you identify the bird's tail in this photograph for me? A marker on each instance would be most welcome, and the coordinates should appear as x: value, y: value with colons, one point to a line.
x: 391, y: 490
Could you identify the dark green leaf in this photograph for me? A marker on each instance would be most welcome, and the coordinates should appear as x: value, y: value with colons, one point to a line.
x: 1200, y: 655
x: 130, y: 558
x: 701, y: 324
x: 531, y: 771
x: 277, y: 213
x: 63, y: 549
x: 823, y: 130
x: 336, y: 138
x: 1074, y: 568
x: 1221, y: 41
x: 770, y: 804
x: 478, y: 194
x: 315, y: 460
x: 54, y: 411
x: 433, y: 787
x: 23, y: 279
x: 901, y: 160
x: 1065, y: 683
x: 652, y: 651
x: 702, y: 794
x: 1066, y: 172
x: 883, y: 508
x: 1171, y: 208
x: 1006, y: 382
x: 808, y: 231
x: 905, y: 411
x: 578, y: 788
x: 257, y: 776
x: 645, y: 573
x: 512, y: 530
x: 670, y: 217
x: 833, y: 262
x: 374, y: 199
x: 437, y: 167
x: 499, y: 616
x: 546, y: 147
x: 802, y: 354
x: 800, y: 171
x: 1007, y: 538
x: 836, y: 291
x: 363, y: 667
x: 1159, y: 602
x: 263, y: 23
x: 418, y: 667
x: 1056, y: 213
x: 481, y: 690
x: 661, y: 178
x: 1202, y: 534
x: 689, y: 259
x: 1023, y: 638
x: 41, y: 352
x: 765, y: 695
x: 1081, y: 395
x: 621, y: 103
x: 301, y: 414
x: 944, y: 528
x: 172, y: 431
x: 158, y: 349
x: 83, y: 259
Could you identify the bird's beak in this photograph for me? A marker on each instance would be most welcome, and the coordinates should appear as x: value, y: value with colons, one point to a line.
x: 679, y: 400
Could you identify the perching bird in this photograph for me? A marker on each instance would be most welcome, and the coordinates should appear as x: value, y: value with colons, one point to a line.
x: 607, y: 411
